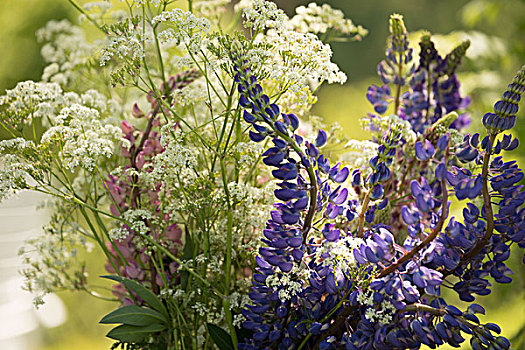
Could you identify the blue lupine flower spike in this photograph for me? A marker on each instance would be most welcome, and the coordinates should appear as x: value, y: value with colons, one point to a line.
x: 504, y: 116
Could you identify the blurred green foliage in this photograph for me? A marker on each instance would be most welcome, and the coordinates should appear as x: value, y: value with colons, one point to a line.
x: 20, y: 58
x: 501, y: 21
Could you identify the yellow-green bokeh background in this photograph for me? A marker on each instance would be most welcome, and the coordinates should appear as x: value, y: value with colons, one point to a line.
x: 20, y: 60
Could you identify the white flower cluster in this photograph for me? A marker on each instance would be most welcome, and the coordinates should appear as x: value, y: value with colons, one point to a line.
x: 30, y: 97
x: 210, y: 8
x: 381, y: 313
x: 64, y: 50
x: 250, y: 214
x: 321, y: 19
x: 261, y: 14
x: 185, y: 28
x: 82, y: 137
x: 45, y: 100
x: 287, y: 283
x: 13, y: 175
x: 248, y: 153
x: 102, y: 6
x: 177, y: 165
x: 51, y: 259
x: 299, y: 59
x: 139, y: 3
x: 15, y: 169
x: 238, y: 301
x: 192, y: 95
x: 340, y: 253
x: 358, y: 153
x: 128, y: 46
x: 385, y: 123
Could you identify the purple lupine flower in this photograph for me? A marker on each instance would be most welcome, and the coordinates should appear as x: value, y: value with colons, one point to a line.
x: 363, y: 274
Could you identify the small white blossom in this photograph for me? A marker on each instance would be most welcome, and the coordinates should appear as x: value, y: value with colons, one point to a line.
x: 289, y: 284
x: 82, y: 138
x: 358, y: 153
x: 184, y: 28
x: 65, y: 49
x: 381, y: 313
x: 262, y: 15
x: 210, y: 8
x: 322, y: 19
x: 339, y: 254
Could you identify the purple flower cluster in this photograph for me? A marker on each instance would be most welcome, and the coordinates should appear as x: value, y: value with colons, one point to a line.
x: 433, y: 85
x: 366, y: 273
x: 130, y: 258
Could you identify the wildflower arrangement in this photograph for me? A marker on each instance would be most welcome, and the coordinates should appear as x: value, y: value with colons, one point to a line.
x: 172, y: 174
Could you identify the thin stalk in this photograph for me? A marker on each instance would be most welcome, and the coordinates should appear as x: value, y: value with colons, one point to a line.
x: 437, y: 229
x: 182, y: 265
x: 227, y: 277
x: 487, y: 201
x: 362, y: 214
x: 399, y: 77
x: 81, y: 10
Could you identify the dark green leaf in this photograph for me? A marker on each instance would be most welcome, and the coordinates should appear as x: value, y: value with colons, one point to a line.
x: 134, y: 316
x: 133, y: 334
x: 113, y: 278
x: 142, y: 292
x: 222, y: 339
x: 187, y: 254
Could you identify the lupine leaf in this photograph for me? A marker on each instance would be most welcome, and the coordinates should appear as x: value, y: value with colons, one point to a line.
x: 142, y: 292
x: 133, y: 334
x: 135, y: 316
x: 221, y: 338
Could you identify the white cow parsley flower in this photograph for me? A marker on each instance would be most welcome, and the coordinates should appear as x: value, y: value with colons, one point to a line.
x: 322, y: 19
x: 381, y: 313
x: 210, y: 8
x: 339, y: 254
x: 65, y: 48
x: 289, y: 284
x: 184, y: 28
x: 358, y: 153
x: 81, y: 137
x: 261, y: 14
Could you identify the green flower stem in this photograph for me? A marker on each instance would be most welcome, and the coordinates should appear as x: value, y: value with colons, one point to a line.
x: 227, y: 262
x: 81, y: 10
x: 399, y: 77
x: 205, y: 76
x: 182, y: 265
x: 425, y: 308
x: 328, y: 315
x: 215, y: 72
x: 192, y: 129
x: 159, y: 56
x: 223, y: 129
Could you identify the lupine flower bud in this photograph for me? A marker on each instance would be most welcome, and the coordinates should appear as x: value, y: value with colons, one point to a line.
x: 399, y: 37
x: 504, y: 116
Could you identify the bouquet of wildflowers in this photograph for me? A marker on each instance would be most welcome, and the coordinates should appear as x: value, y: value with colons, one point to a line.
x: 165, y: 140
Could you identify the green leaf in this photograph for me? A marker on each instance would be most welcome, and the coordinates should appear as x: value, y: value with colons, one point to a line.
x: 142, y: 292
x: 133, y: 334
x: 135, y: 316
x: 187, y: 253
x: 222, y: 339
